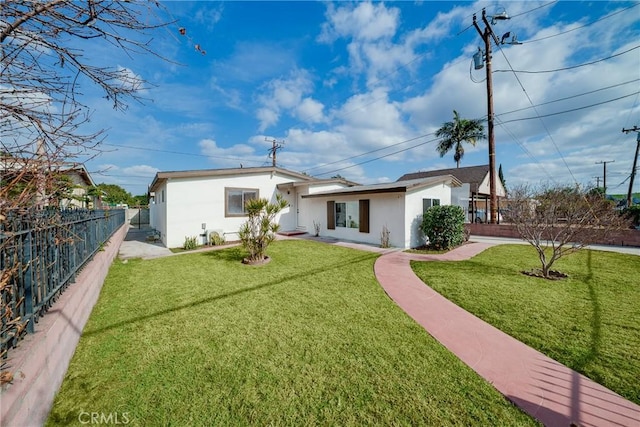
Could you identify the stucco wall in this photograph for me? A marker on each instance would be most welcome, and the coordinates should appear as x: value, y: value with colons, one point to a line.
x: 384, y: 210
x: 158, y: 213
x: 192, y: 202
x: 413, y: 215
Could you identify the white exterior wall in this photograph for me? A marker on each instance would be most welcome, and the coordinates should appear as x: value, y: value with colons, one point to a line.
x: 190, y: 202
x: 413, y: 237
x: 307, y: 210
x: 387, y: 210
x: 384, y: 210
x: 158, y: 213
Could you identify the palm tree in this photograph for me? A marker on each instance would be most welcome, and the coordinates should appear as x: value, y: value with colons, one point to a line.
x: 454, y: 133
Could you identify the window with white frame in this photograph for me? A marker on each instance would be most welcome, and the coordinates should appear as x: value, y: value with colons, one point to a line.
x: 235, y: 199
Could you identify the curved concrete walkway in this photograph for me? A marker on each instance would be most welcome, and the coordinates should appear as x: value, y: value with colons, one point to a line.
x: 542, y: 387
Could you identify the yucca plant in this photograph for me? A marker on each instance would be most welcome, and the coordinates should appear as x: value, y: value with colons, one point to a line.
x: 260, y: 229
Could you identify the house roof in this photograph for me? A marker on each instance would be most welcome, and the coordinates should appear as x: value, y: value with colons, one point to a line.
x: 389, y: 187
x: 12, y: 163
x: 473, y: 175
x: 204, y: 173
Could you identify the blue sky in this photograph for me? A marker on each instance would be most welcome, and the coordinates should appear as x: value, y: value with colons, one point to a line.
x: 358, y: 89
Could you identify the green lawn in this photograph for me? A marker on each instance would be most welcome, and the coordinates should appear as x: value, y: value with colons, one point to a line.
x: 308, y: 339
x: 589, y: 322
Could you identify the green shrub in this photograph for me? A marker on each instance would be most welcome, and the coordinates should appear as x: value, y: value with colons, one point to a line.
x: 215, y: 239
x: 190, y: 243
x: 443, y: 226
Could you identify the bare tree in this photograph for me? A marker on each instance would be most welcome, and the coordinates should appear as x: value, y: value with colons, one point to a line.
x: 43, y: 49
x: 45, y: 67
x: 558, y: 220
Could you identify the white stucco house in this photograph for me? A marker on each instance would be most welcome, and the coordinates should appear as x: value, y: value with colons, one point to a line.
x: 191, y: 203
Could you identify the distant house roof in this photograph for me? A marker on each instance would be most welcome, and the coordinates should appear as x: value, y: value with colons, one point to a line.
x: 473, y: 175
x: 388, y: 187
x: 204, y: 173
x: 13, y: 164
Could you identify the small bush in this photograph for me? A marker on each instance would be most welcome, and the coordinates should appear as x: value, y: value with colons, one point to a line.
x: 215, y: 239
x: 190, y: 243
x: 443, y: 226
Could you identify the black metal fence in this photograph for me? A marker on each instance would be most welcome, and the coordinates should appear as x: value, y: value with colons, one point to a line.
x: 41, y: 251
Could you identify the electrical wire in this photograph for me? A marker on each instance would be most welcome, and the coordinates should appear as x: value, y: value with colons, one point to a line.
x: 368, y: 152
x: 378, y: 158
x: 566, y: 68
x: 534, y: 9
x: 570, y: 97
x: 179, y: 152
x: 540, y: 118
x: 572, y: 109
x: 582, y: 26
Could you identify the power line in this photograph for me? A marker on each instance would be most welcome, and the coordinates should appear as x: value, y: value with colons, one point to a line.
x: 157, y: 150
x: 511, y: 70
x: 582, y: 26
x: 378, y: 158
x: 573, y: 109
x: 534, y: 9
x: 571, y: 97
x: 538, y: 115
x: 369, y: 152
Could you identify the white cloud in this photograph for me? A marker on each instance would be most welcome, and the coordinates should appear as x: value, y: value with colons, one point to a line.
x: 288, y: 95
x: 140, y: 170
x: 310, y: 111
x: 365, y: 21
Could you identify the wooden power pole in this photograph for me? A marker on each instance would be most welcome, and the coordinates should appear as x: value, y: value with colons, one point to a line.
x: 635, y: 164
x: 274, y: 150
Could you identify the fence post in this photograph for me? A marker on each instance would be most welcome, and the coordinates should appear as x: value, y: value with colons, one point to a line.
x: 27, y: 279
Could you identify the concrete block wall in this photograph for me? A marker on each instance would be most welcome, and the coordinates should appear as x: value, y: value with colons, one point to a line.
x: 40, y: 361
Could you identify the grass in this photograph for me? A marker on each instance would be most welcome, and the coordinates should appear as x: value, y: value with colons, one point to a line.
x: 590, y: 322
x: 307, y: 339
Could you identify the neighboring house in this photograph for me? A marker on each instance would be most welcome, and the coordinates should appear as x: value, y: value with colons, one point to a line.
x: 193, y: 203
x: 473, y: 196
x: 63, y: 184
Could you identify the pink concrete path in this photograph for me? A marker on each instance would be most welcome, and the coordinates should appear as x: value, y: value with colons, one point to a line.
x: 542, y: 387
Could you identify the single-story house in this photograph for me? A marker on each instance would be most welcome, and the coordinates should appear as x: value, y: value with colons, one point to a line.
x: 474, y: 193
x: 194, y: 203
x: 43, y: 183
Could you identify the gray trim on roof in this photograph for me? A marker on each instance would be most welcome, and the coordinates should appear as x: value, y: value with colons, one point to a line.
x: 294, y: 184
x: 388, y: 187
x: 473, y: 175
x: 203, y: 173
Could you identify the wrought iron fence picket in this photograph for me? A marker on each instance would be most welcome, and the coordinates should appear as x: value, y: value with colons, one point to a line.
x: 41, y: 252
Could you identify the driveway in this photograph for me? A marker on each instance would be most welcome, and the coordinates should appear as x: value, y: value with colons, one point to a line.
x: 136, y: 245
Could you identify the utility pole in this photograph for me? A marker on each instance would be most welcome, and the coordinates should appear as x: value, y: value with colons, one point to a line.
x: 635, y: 163
x: 597, y: 181
x: 487, y: 35
x: 274, y: 149
x: 604, y: 176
